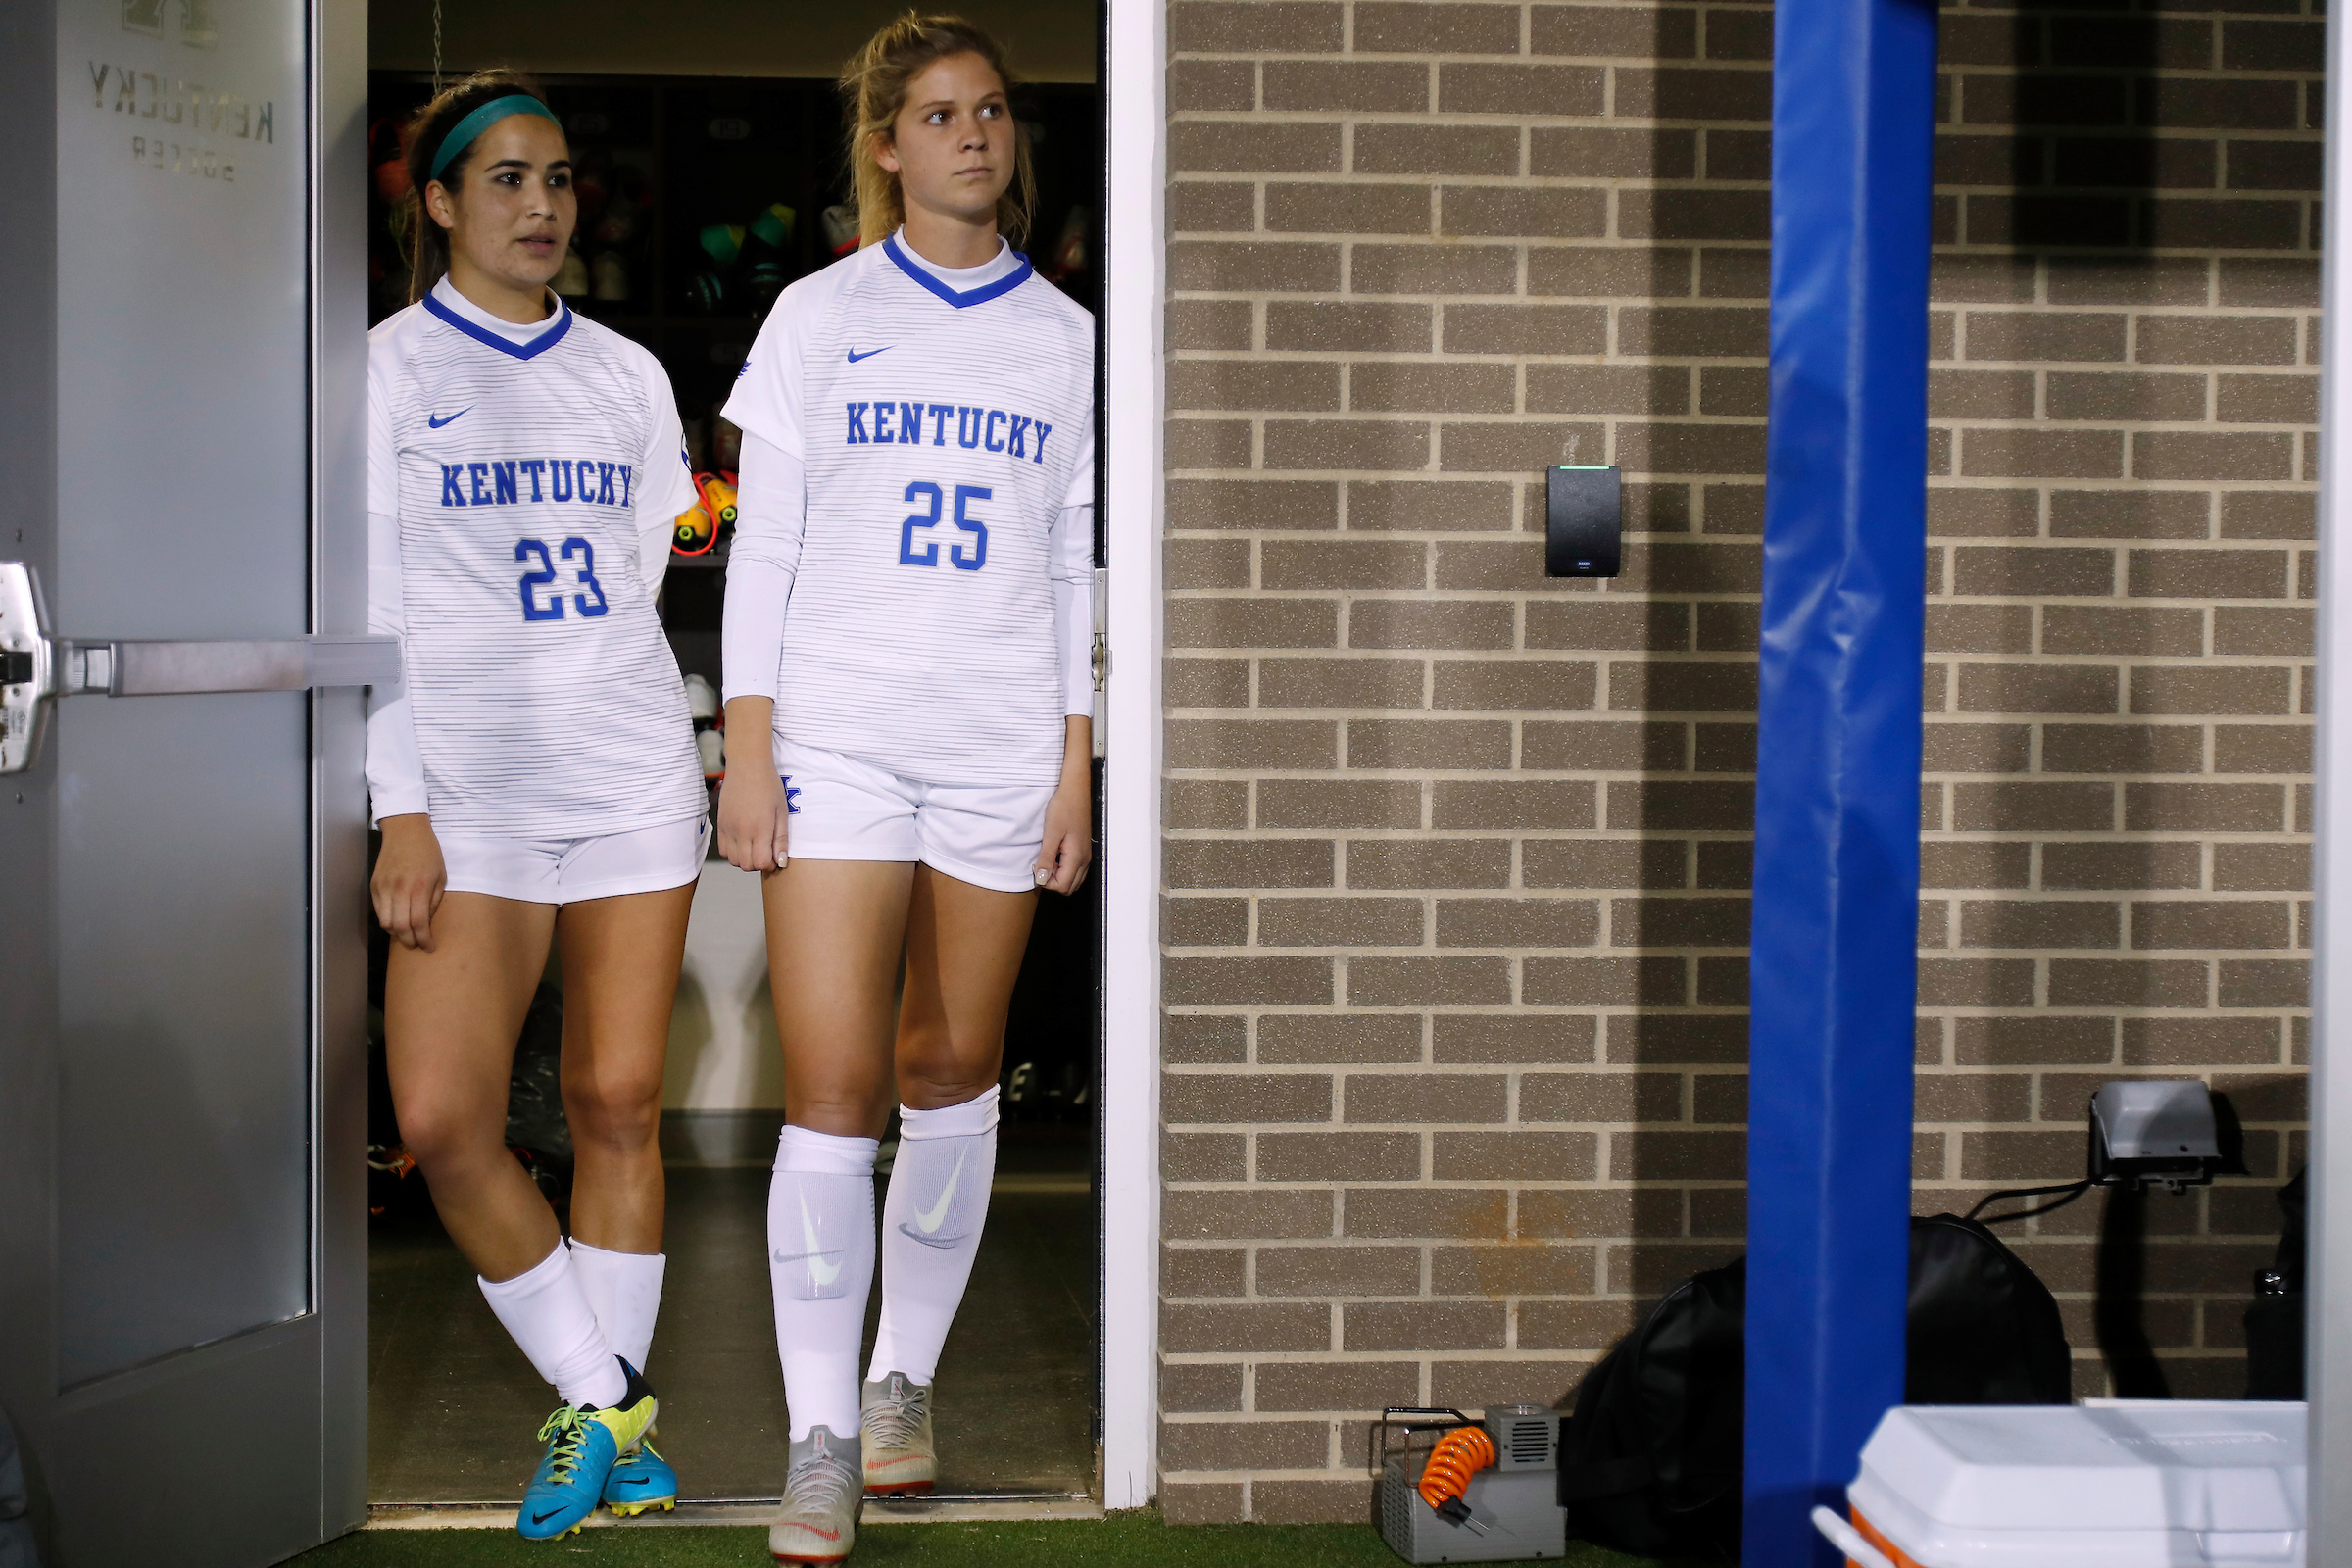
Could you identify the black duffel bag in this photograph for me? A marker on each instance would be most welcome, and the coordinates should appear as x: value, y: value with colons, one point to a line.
x: 1650, y: 1459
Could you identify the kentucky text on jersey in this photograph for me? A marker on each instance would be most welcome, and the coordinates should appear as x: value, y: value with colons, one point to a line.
x: 500, y: 484
x: 986, y: 429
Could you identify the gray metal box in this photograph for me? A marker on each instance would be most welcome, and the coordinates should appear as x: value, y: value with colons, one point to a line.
x: 1519, y: 1509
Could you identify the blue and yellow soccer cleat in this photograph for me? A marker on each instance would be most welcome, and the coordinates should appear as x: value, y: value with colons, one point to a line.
x: 640, y: 1480
x: 582, y: 1447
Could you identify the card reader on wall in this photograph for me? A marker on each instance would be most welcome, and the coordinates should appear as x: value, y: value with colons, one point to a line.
x: 1583, y: 520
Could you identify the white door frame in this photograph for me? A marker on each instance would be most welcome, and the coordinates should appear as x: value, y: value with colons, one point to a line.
x: 1133, y: 300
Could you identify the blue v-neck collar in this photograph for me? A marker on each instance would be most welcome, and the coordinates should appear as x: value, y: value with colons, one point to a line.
x: 959, y: 298
x: 529, y: 349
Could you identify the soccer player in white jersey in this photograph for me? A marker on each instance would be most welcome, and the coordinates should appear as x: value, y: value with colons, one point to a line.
x: 907, y: 639
x: 535, y: 773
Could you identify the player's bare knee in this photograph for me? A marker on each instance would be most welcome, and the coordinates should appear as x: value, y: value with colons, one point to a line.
x: 620, y: 1116
x: 929, y: 1089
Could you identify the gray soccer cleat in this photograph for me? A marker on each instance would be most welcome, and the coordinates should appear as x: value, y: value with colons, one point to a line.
x: 895, y: 1423
x: 818, y: 1521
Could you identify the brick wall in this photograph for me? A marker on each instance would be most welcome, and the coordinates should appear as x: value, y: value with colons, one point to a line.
x: 1456, y: 857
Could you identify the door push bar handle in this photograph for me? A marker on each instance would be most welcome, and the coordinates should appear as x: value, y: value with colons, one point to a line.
x: 36, y: 668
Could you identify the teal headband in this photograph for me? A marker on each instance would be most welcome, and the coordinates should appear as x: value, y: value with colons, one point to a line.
x: 462, y: 134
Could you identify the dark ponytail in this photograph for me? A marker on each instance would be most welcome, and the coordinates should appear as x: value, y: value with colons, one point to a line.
x: 429, y: 263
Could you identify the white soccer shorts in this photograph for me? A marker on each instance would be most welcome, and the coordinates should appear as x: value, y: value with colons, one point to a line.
x: 645, y: 859
x: 841, y: 809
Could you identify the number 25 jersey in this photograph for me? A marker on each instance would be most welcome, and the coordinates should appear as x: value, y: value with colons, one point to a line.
x: 941, y: 430
x: 523, y: 476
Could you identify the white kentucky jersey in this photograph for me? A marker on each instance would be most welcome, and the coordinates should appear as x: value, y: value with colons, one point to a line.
x: 943, y: 421
x: 529, y: 473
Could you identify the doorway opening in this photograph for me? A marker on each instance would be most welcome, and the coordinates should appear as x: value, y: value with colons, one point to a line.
x: 704, y: 193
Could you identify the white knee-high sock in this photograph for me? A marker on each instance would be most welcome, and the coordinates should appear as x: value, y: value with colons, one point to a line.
x: 820, y: 1262
x: 548, y: 1313
x: 931, y: 1226
x: 624, y: 1289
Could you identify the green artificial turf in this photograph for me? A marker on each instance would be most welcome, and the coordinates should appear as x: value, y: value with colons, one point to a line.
x: 1139, y: 1540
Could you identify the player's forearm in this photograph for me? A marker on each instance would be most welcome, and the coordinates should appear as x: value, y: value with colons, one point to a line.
x: 751, y: 746
x: 1077, y: 750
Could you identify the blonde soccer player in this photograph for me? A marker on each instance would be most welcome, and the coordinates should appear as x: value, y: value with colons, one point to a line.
x: 907, y: 640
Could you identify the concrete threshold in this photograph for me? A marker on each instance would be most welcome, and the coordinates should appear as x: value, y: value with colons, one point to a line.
x: 944, y: 1510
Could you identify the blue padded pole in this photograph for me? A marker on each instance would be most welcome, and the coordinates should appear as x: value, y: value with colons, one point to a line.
x: 1833, y: 976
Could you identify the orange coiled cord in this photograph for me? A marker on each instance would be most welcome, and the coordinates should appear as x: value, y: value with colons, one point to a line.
x: 1458, y: 1455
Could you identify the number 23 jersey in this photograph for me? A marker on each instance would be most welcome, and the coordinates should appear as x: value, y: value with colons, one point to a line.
x: 530, y: 480
x: 940, y: 431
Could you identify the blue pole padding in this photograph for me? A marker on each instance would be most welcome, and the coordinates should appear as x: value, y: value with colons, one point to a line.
x: 1833, y: 976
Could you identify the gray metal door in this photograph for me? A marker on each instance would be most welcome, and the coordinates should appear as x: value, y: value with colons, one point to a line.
x: 182, y: 962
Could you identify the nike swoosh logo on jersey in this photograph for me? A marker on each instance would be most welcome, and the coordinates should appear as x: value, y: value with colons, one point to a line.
x: 817, y: 1269
x: 855, y: 356
x: 938, y: 1210
x: 437, y: 423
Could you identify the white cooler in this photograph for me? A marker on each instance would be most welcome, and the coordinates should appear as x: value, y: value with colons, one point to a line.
x: 2105, y: 1483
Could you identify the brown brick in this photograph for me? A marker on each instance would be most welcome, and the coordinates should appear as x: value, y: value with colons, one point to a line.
x: 2032, y: 569
x: 2119, y: 395
x: 1674, y: 803
x: 1204, y: 922
x: 2117, y: 983
x: 1428, y: 623
x: 2093, y: 629
x: 1515, y: 1038
x: 2130, y: 514
x: 1250, y: 743
x: 2202, y: 454
x: 1975, y: 748
x: 2268, y: 399
x: 1658, y: 1040
x: 2019, y: 805
x: 1418, y: 26
x: 1616, y: 271
x: 1205, y: 564
x: 1380, y: 87
x: 1245, y: 1326
x: 1205, y: 684
x: 1657, y: 1156
x: 2042, y: 454
x: 1253, y: 1213
x: 1603, y: 863
x: 1419, y: 506
x: 1594, y: 153
x: 1208, y: 443
x: 1382, y: 386
x: 1522, y: 92
x: 1324, y: 803
x: 1428, y: 1097
x: 1339, y: 1271
x: 1373, y: 1037
x: 1734, y: 390
x: 1988, y: 394
x: 1208, y: 1158
x: 1678, y: 686
x: 1215, y: 26
x: 1339, y: 683
x: 1189, y: 1271
x: 1651, y: 981
x: 1234, y: 384
x: 1471, y: 683
x: 1689, y: 448
x: 1244, y: 1444
x: 1517, y: 922
x: 1463, y: 982
x: 2204, y: 809
x: 2270, y: 280
x: 1335, y: 1384
x: 1590, y: 623
x: 1202, y: 207
x: 1489, y: 448
x: 2040, y: 924
x: 2207, y: 573
x: 2199, y: 1041
x: 1248, y: 863
x: 1975, y: 981
x: 1515, y: 1157
x: 1433, y: 269
x: 2266, y: 983
x: 1336, y: 326
x: 1212, y: 84
x: 1242, y: 147
x: 1672, y: 213
x: 1209, y: 1038
x: 1291, y: 504
x: 1669, y: 922
x: 1692, y: 331
x: 2032, y: 1041
x: 2038, y: 337
x: 1593, y: 1325
x: 1512, y: 211
x: 1614, y: 31
x: 2216, y: 340
x: 2205, y: 923
x: 2161, y: 689
x: 1208, y: 324
x: 2037, y: 689
x: 1407, y: 148
x: 1339, y: 922
x: 1973, y: 1097
x: 1520, y: 1270
x: 1683, y: 93
x: 1337, y: 1157
x: 1186, y: 1387
x: 1345, y: 443
x: 2262, y: 868
x: 1429, y: 743
x: 1517, y: 329
x: 1431, y: 863
x: 1276, y: 1502
x: 1422, y: 1326
x: 1516, y: 804
x: 1245, y: 982
x: 2019, y: 1156
x: 1974, y: 864
x: 1608, y: 389
x: 2096, y: 865
x: 2121, y: 749
x: 1426, y: 1212
x: 2269, y: 514
x: 2241, y: 630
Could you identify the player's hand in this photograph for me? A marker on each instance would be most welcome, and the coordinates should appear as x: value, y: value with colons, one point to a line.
x: 752, y: 819
x: 1068, y: 852
x: 410, y: 879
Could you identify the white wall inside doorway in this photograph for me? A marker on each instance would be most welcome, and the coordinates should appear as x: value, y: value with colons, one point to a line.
x: 724, y: 1053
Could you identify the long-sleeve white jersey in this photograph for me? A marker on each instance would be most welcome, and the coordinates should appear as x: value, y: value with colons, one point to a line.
x: 914, y: 550
x: 522, y: 483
